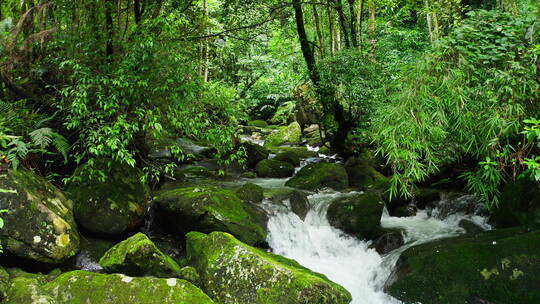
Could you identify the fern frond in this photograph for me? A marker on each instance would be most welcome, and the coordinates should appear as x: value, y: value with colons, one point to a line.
x: 42, y: 137
x: 61, y: 144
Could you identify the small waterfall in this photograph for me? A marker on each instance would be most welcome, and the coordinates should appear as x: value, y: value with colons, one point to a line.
x: 346, y: 260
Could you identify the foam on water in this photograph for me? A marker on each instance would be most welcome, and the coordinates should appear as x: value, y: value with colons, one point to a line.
x: 345, y: 260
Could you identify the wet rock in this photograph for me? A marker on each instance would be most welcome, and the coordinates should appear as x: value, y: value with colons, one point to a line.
x: 498, y: 266
x: 470, y: 226
x: 258, y: 123
x: 426, y: 197
x: 255, y: 154
x: 39, y: 223
x: 288, y: 156
x: 251, y: 193
x: 92, y: 250
x: 318, y: 176
x: 233, y: 272
x: 292, y: 199
x: 5, y: 282
x: 285, y: 135
x: 301, y: 151
x: 358, y: 214
x: 458, y: 204
x: 388, y: 241
x: 111, y: 206
x: 208, y: 209
x: 138, y: 256
x: 87, y: 287
x: 404, y: 211
x: 274, y: 168
x: 191, y: 171
x: 520, y: 204
x: 361, y: 173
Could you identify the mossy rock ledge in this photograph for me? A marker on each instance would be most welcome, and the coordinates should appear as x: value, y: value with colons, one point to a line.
x: 500, y: 266
x: 113, y: 206
x: 208, y: 209
x: 39, y: 223
x: 285, y: 135
x: 254, y: 154
x: 233, y: 272
x: 81, y: 287
x: 139, y: 256
x: 358, y: 214
x: 274, y: 169
x: 318, y: 176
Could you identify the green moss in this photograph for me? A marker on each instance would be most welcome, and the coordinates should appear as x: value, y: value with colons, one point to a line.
x: 255, y: 154
x: 250, y: 193
x: 258, y: 123
x: 520, y: 204
x: 191, y: 275
x: 113, y: 206
x: 210, y: 209
x: 320, y: 175
x: 48, y: 232
x: 139, y: 256
x: 87, y: 287
x: 500, y: 266
x: 274, y: 168
x: 294, y: 199
x: 5, y: 282
x: 193, y: 171
x: 290, y: 134
x: 288, y: 156
x: 233, y: 272
x: 301, y: 151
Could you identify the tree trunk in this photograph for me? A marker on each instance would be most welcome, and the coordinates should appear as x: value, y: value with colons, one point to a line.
x: 320, y: 35
x: 331, y: 28
x: 428, y: 19
x: 343, y: 23
x: 205, y: 47
x: 304, y: 42
x: 359, y: 21
x: 137, y: 11
x: 354, y: 35
x: 109, y: 6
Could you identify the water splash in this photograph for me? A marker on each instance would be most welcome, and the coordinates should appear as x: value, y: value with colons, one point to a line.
x: 346, y: 260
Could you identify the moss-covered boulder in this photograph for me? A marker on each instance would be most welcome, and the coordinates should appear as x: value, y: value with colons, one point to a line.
x: 292, y: 199
x: 289, y: 157
x: 274, y: 168
x: 358, y: 215
x: 139, y: 256
x: 87, y: 287
x: 361, y: 173
x: 5, y: 282
x: 301, y: 151
x: 208, y: 209
x: 233, y: 272
x: 285, y: 135
x: 251, y: 193
x: 258, y: 123
x: 254, y: 154
x: 111, y: 206
x: 500, y: 266
x: 39, y: 222
x: 191, y: 171
x: 320, y: 175
x: 520, y: 204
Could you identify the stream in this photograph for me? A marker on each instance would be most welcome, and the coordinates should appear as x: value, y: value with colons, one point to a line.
x: 344, y: 259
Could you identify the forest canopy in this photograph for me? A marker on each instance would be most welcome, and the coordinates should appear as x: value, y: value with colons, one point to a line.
x: 444, y: 86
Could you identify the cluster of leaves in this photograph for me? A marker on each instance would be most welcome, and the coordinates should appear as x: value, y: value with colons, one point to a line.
x: 467, y: 98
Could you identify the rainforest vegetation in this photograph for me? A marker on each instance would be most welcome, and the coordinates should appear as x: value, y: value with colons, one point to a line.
x: 408, y: 94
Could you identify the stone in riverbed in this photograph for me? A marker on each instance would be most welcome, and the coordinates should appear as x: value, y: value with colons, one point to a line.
x: 251, y: 193
x: 87, y: 287
x: 293, y: 199
x: 111, y: 206
x: 254, y: 154
x: 286, y: 135
x: 500, y: 266
x: 138, y: 256
x: 39, y: 222
x: 208, y: 209
x: 358, y: 215
x: 318, y: 176
x: 289, y: 157
x: 233, y: 272
x: 274, y: 169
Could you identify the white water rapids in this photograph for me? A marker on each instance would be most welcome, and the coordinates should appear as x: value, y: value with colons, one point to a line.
x: 343, y: 259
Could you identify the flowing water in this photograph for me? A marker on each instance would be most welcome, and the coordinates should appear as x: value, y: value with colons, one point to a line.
x: 345, y: 260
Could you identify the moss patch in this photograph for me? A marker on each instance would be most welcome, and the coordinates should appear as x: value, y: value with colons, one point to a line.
x: 320, y: 175
x: 289, y: 134
x: 233, y: 272
x: 274, y: 168
x: 210, y: 209
x: 288, y: 156
x: 500, y: 266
